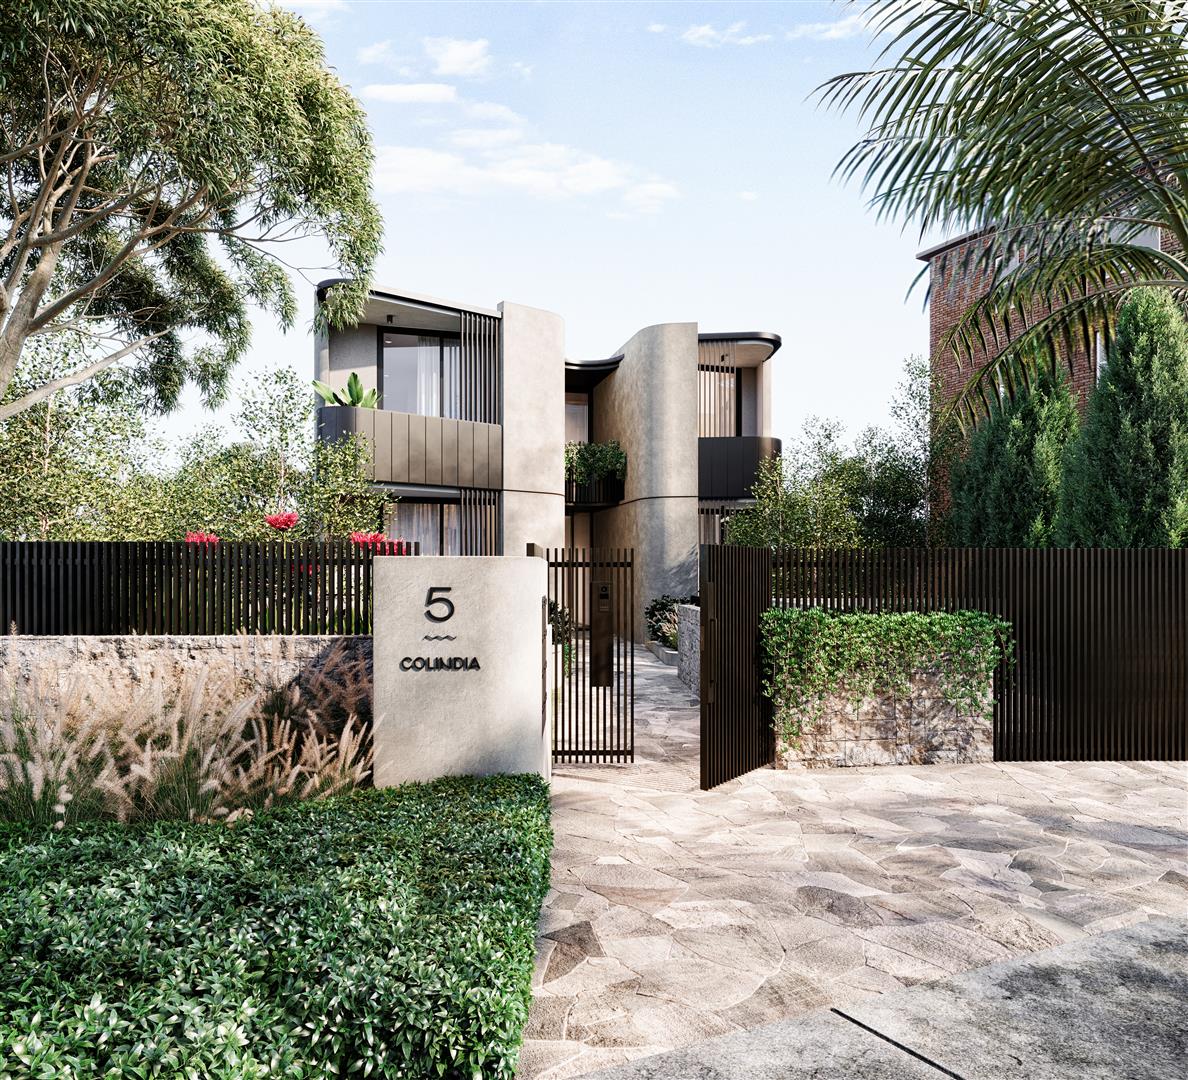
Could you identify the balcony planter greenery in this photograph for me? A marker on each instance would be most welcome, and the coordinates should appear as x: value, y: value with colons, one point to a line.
x: 594, y: 473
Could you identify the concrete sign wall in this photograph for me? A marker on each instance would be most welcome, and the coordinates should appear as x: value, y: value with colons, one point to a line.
x: 460, y: 676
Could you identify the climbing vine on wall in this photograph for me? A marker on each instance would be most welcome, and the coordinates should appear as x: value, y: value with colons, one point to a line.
x: 811, y: 655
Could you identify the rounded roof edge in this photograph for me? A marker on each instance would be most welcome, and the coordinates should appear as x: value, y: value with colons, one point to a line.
x: 760, y: 337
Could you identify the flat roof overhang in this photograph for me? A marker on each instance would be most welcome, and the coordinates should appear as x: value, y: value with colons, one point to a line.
x: 413, y: 310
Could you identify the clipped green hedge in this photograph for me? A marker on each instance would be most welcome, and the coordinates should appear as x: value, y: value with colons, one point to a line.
x: 381, y: 933
x: 811, y: 654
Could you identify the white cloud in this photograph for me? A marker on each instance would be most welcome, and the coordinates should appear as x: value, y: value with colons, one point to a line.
x: 850, y: 26
x: 482, y: 164
x: 709, y: 37
x: 456, y: 56
x: 316, y: 10
x: 485, y: 138
x: 656, y: 28
x: 748, y: 196
x: 405, y: 93
x: 375, y: 54
x: 522, y: 69
x: 489, y: 110
x: 650, y: 196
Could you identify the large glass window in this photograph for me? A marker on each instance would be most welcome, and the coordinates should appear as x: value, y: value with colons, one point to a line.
x: 577, y: 417
x: 421, y: 374
x: 418, y: 522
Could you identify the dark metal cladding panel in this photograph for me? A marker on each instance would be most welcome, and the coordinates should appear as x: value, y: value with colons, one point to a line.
x: 466, y: 455
x: 449, y: 452
x: 495, y: 456
x: 416, y: 450
x: 433, y: 450
x: 382, y: 452
x: 400, y: 454
x: 480, y: 456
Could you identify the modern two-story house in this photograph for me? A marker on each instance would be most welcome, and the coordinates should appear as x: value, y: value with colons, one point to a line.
x: 476, y: 405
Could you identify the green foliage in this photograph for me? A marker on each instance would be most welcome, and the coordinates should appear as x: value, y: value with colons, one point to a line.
x: 588, y: 462
x: 1126, y: 481
x: 811, y: 654
x: 384, y: 933
x: 155, y: 153
x: 354, y: 395
x: 79, y: 467
x: 876, y: 493
x: 1006, y: 491
x: 562, y: 624
x: 1059, y: 129
x: 660, y: 616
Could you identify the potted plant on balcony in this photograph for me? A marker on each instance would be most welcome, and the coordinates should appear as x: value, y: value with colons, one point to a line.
x: 353, y: 395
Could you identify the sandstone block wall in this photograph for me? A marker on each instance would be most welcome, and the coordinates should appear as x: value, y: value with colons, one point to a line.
x: 689, y: 646
x: 116, y: 668
x: 920, y: 729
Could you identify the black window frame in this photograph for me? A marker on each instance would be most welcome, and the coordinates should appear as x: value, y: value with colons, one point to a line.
x: 441, y: 335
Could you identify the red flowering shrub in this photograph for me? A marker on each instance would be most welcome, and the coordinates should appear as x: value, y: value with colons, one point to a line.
x: 380, y: 544
x: 368, y: 539
x: 282, y: 522
x: 201, y: 538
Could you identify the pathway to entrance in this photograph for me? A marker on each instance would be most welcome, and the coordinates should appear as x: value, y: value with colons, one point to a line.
x: 678, y: 915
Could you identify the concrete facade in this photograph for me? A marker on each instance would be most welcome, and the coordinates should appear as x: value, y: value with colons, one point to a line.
x: 676, y: 400
x: 649, y: 406
x: 465, y: 695
x: 534, y: 428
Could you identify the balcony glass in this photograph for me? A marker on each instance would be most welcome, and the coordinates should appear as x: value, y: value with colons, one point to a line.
x: 421, y: 374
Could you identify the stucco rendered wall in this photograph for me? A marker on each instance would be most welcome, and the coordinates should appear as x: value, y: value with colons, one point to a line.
x: 650, y: 405
x: 346, y: 351
x: 533, y: 428
x: 464, y: 693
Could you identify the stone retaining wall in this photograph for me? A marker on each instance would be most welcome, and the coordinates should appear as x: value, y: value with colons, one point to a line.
x: 118, y: 667
x: 689, y: 646
x: 921, y: 729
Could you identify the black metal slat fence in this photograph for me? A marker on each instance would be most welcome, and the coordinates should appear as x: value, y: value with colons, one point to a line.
x: 592, y: 722
x: 1101, y: 635
x: 288, y: 587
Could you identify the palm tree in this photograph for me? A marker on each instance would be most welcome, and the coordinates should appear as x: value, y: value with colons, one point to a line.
x: 1059, y: 129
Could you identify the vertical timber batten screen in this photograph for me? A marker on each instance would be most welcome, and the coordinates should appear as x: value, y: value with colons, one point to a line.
x: 591, y: 722
x: 99, y: 588
x: 736, y: 729
x: 1101, y: 635
x: 481, y: 364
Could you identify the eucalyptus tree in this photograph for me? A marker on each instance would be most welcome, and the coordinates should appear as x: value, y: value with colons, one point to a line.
x: 1059, y: 129
x: 153, y: 155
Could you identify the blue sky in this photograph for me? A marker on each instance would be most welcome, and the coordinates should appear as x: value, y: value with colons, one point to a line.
x: 626, y: 164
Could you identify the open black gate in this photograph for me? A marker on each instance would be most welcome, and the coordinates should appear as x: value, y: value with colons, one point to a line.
x: 736, y: 730
x: 592, y: 615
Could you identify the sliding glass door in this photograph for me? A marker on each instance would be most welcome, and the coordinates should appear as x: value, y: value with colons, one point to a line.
x: 420, y: 374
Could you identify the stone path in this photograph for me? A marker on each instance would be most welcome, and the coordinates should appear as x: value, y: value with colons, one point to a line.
x: 679, y: 915
x: 1101, y: 1008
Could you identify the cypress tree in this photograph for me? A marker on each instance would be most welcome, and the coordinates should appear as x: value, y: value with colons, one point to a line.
x: 1006, y: 490
x: 1126, y: 478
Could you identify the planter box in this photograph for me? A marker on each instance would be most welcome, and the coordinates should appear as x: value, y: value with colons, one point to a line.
x: 920, y: 729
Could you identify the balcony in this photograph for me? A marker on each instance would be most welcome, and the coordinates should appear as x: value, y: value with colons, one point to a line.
x: 726, y: 465
x: 594, y: 494
x: 411, y: 449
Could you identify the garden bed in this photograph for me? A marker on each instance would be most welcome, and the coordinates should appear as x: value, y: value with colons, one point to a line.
x: 381, y: 933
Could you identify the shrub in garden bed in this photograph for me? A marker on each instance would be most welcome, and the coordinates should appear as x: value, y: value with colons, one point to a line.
x: 812, y: 655
x: 661, y: 618
x: 378, y: 933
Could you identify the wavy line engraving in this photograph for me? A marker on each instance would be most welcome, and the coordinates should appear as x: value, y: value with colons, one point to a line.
x: 439, y: 637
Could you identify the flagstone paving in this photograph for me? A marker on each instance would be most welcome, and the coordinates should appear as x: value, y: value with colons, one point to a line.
x: 678, y: 915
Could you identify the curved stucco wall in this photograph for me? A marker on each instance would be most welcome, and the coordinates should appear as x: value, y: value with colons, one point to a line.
x: 650, y: 406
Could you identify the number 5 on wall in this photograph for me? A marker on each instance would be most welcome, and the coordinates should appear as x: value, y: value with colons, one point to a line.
x: 443, y: 603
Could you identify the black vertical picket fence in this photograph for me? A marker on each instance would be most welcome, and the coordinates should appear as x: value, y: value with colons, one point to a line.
x: 279, y: 587
x: 1100, y: 670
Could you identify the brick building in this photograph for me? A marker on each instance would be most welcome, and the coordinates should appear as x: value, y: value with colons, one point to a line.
x: 956, y: 282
